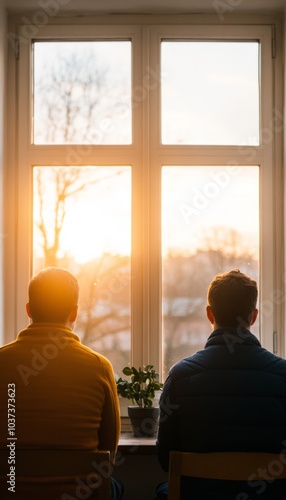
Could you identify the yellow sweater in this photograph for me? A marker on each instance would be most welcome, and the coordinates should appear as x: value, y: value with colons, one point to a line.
x: 65, y: 393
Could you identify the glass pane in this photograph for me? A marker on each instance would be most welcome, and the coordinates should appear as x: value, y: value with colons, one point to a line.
x: 210, y: 93
x: 210, y: 225
x: 82, y: 222
x: 82, y: 92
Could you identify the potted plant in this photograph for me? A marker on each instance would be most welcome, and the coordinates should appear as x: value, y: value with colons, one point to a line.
x: 140, y: 389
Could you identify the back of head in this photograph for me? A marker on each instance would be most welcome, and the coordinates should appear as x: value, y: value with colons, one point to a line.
x: 53, y: 294
x: 232, y: 298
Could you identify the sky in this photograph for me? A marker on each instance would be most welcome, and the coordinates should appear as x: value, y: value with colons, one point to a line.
x: 210, y: 96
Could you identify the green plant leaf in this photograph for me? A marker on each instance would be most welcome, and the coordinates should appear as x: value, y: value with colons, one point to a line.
x: 141, y: 387
x: 127, y: 371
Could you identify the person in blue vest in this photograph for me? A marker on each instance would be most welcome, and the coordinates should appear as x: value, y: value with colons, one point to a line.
x: 229, y: 396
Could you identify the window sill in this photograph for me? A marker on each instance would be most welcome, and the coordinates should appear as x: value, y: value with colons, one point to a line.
x: 130, y: 445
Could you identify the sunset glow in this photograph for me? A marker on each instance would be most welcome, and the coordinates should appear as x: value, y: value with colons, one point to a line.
x: 94, y: 215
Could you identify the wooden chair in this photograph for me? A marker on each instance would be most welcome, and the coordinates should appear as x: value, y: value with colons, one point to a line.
x: 65, y: 463
x: 222, y: 465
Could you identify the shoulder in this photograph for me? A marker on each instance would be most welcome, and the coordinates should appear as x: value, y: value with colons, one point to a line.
x: 189, y: 366
x: 8, y: 349
x: 94, y: 356
x: 273, y: 362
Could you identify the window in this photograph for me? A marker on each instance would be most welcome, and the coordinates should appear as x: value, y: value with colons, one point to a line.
x: 82, y: 214
x: 82, y: 91
x: 210, y: 92
x: 147, y: 162
x: 210, y: 223
x: 82, y: 221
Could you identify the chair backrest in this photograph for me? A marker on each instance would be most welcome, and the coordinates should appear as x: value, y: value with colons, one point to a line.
x: 93, y: 467
x: 240, y: 466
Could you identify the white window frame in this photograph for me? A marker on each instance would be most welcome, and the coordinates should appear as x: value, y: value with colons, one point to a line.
x: 147, y: 155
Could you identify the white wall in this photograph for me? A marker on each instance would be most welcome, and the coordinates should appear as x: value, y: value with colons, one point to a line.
x: 284, y: 164
x: 2, y: 144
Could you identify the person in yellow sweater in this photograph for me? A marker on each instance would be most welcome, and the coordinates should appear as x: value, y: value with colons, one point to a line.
x: 65, y: 393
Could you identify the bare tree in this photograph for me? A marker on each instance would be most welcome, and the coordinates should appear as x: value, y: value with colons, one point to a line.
x: 74, y: 92
x: 72, y: 97
x: 106, y: 289
x: 77, y: 99
x: 55, y: 186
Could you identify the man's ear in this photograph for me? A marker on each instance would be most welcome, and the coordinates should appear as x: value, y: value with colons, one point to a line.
x: 73, y: 314
x: 254, y: 316
x: 210, y: 315
x: 28, y: 310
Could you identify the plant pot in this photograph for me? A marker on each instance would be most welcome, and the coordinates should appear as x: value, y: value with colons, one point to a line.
x: 144, y: 421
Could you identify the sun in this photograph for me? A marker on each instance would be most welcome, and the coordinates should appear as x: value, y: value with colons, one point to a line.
x: 82, y: 213
x: 91, y: 231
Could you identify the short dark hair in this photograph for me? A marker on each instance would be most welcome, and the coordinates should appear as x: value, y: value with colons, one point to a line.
x: 232, y: 297
x: 53, y: 293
